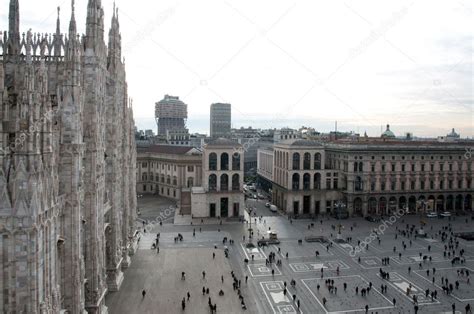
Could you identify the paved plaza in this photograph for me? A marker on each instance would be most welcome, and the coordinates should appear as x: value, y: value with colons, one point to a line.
x: 159, y: 274
x: 410, y: 262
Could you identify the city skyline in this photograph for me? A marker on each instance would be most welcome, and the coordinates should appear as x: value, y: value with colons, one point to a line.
x: 363, y: 64
x: 97, y: 217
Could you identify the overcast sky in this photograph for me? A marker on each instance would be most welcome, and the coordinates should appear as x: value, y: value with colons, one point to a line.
x: 293, y: 63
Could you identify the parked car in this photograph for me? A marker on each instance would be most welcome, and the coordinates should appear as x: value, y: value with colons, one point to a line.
x: 260, y: 196
x: 431, y: 215
x: 445, y: 214
x: 273, y: 208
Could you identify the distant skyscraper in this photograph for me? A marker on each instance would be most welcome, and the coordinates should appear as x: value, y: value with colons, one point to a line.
x: 170, y: 115
x: 221, y: 117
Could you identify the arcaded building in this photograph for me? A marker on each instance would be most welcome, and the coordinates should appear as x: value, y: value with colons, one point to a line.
x: 302, y: 184
x: 369, y: 176
x: 381, y: 176
x: 67, y: 167
x: 221, y: 194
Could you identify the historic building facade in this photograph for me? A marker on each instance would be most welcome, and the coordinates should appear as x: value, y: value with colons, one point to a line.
x: 221, y: 194
x: 265, y: 168
x: 384, y: 175
x: 67, y: 167
x: 205, y: 182
x: 370, y: 176
x: 302, y: 184
x: 166, y: 170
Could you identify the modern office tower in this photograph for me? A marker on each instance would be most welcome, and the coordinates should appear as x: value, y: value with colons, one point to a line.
x: 221, y: 117
x: 170, y: 115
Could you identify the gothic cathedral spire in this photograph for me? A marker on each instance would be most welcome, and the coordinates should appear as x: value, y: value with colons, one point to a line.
x: 94, y: 24
x: 115, y: 42
x: 14, y: 28
x: 72, y: 22
x: 73, y: 51
x: 58, y: 37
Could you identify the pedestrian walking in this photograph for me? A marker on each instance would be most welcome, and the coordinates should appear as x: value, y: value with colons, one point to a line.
x: 189, y: 295
x: 143, y: 293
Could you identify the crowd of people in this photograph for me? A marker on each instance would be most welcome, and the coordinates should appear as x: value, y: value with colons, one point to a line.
x: 408, y: 233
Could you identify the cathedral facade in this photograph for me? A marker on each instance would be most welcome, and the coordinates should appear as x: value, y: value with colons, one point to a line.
x: 67, y: 167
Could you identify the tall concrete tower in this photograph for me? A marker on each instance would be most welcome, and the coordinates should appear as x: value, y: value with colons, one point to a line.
x: 170, y: 115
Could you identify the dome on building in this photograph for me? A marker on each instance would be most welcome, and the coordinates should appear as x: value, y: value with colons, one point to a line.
x: 388, y: 133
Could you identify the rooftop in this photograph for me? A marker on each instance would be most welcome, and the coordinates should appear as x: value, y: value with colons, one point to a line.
x: 223, y: 142
x: 166, y: 149
x: 298, y: 142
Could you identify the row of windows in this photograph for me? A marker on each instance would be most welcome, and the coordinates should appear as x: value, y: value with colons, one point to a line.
x: 164, y: 166
x: 162, y: 190
x: 295, y: 182
x: 359, y: 167
x: 422, y: 186
x: 224, y: 161
x: 441, y: 157
x: 224, y: 182
x: 159, y: 178
x: 189, y: 183
x: 413, y: 157
x: 309, y: 162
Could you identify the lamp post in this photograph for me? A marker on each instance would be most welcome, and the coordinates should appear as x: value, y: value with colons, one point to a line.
x: 339, y: 205
x: 250, y: 227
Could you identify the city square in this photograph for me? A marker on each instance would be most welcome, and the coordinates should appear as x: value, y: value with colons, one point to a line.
x: 249, y: 157
x: 264, y: 292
